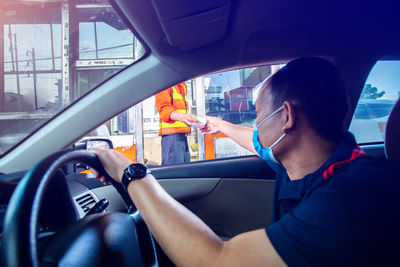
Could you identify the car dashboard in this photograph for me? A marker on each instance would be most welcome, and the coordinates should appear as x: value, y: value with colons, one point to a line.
x: 84, y: 191
x: 87, y: 191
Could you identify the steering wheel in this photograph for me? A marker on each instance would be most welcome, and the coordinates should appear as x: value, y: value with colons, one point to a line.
x: 106, y: 239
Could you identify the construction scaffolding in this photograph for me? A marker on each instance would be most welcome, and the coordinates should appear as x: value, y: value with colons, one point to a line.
x: 67, y: 58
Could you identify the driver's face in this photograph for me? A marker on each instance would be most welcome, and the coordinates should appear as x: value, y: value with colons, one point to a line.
x: 271, y: 130
x: 263, y: 104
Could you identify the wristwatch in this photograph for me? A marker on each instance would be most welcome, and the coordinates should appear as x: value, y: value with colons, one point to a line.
x: 133, y: 172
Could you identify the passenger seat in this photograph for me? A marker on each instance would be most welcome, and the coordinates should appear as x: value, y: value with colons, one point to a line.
x: 392, y: 134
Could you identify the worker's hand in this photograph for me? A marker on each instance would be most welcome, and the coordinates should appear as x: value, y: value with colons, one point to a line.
x: 213, y: 126
x: 113, y: 162
x: 188, y: 119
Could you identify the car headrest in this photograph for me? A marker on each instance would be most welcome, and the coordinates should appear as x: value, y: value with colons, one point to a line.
x: 392, y: 134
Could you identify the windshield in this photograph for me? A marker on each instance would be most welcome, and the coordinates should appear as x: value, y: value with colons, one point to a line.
x: 53, y: 53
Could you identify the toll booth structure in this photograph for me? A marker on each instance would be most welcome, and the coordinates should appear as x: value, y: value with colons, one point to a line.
x: 70, y: 55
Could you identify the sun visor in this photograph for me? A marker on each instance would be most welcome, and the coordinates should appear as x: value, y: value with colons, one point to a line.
x: 192, y: 24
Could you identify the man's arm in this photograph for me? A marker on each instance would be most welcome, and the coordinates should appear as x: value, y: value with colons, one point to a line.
x: 186, y: 239
x: 188, y: 119
x: 240, y: 134
x: 167, y: 112
x: 164, y: 105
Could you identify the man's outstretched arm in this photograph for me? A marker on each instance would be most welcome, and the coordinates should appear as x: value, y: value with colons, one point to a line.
x: 186, y: 239
x: 240, y: 134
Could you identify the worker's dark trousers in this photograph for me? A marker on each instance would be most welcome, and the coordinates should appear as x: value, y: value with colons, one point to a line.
x: 174, y: 149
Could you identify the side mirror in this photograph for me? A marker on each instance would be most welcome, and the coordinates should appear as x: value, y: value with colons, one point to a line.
x: 89, y: 144
x: 92, y: 143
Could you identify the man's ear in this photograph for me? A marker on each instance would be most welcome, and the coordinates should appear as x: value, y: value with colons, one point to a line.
x: 289, y: 116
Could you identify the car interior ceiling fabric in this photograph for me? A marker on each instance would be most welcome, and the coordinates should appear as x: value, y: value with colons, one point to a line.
x: 392, y: 134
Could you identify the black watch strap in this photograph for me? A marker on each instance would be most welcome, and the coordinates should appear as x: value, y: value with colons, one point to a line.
x: 133, y: 172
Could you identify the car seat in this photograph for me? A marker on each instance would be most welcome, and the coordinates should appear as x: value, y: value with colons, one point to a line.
x: 392, y: 134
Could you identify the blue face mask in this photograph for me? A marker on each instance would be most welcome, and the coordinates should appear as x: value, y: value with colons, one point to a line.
x: 266, y: 152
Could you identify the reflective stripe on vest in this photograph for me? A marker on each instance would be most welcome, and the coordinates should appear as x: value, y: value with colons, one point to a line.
x: 176, y: 95
x: 177, y: 126
x: 176, y: 123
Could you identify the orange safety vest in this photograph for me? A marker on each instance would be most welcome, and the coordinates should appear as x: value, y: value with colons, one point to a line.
x: 167, y: 101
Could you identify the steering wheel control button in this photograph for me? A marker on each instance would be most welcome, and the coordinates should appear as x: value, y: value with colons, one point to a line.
x: 133, y: 172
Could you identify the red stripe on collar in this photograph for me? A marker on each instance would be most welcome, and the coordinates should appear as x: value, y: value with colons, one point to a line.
x: 357, y: 152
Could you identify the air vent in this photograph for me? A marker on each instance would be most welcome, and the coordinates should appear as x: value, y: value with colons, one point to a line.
x: 86, y: 202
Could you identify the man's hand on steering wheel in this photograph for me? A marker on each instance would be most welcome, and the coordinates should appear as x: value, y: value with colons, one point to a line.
x: 113, y: 162
x: 113, y: 238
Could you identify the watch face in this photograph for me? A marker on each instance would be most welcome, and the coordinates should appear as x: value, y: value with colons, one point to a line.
x: 137, y: 170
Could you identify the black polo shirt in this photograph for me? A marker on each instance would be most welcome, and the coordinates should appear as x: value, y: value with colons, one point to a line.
x: 345, y: 213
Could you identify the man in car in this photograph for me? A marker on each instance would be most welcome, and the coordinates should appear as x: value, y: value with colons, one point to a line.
x: 333, y: 205
x: 175, y: 122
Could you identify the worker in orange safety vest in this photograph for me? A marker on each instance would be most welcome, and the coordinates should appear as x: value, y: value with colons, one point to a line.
x: 175, y: 122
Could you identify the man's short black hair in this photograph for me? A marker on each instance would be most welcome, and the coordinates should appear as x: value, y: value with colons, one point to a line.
x: 316, y: 89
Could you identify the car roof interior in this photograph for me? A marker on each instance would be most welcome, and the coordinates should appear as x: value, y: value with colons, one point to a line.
x: 239, y: 33
x: 200, y: 37
x: 186, y: 39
